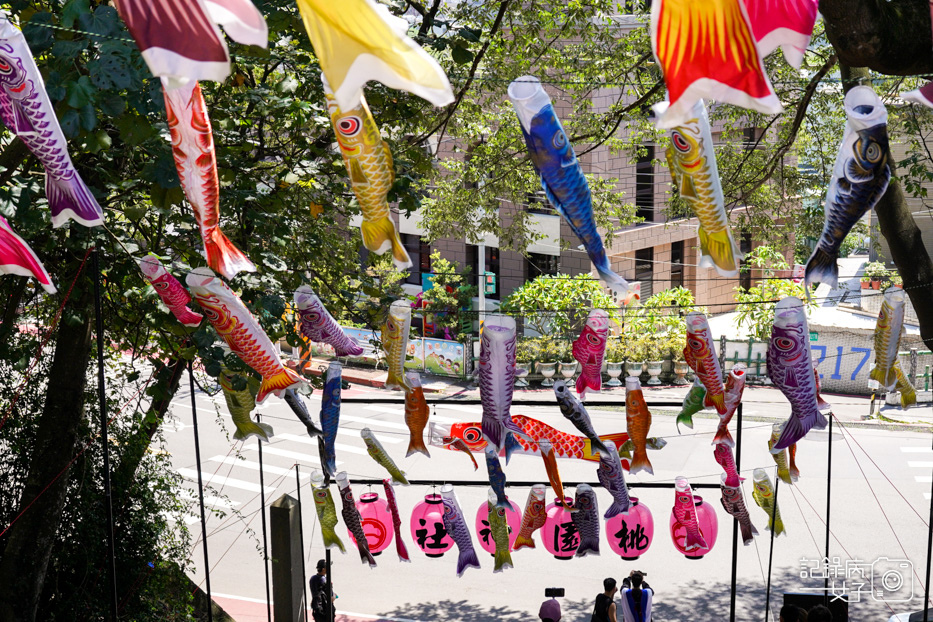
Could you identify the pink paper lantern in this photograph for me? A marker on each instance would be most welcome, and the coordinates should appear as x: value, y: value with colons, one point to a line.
x: 709, y: 529
x: 513, y: 517
x: 427, y: 527
x: 630, y: 536
x: 376, y: 520
x: 559, y: 534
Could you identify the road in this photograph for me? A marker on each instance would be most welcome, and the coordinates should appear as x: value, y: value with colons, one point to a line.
x: 880, y: 509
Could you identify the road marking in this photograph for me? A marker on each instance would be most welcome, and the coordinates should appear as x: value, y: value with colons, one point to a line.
x: 294, y: 455
x: 220, y: 480
x: 374, y: 422
x: 396, y: 411
x: 248, y: 464
x: 307, y: 441
x: 920, y: 465
x: 212, y: 501
x: 473, y: 410
x: 924, y: 479
x: 927, y: 496
x: 917, y: 450
x: 381, y: 437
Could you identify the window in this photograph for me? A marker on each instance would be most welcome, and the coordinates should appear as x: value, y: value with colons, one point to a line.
x: 420, y: 253
x: 644, y: 185
x: 677, y: 264
x: 537, y: 265
x: 637, y: 6
x: 745, y: 270
x: 750, y: 136
x: 492, y: 265
x: 644, y: 270
x: 538, y: 203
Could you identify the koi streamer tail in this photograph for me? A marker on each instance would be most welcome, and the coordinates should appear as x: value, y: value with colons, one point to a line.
x: 380, y: 235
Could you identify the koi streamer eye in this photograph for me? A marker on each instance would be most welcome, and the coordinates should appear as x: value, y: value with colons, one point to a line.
x: 593, y: 339
x: 683, y: 499
x: 695, y: 344
x: 350, y: 126
x: 873, y: 152
x: 5, y: 67
x: 680, y: 143
x: 783, y: 343
x: 472, y: 435
x: 560, y: 140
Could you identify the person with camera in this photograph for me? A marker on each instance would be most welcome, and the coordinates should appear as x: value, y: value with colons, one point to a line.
x: 605, y: 609
x: 550, y: 609
x: 321, y: 610
x: 636, y: 598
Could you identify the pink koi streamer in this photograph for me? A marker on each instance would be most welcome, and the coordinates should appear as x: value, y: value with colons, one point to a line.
x: 17, y: 258
x: 175, y: 297
x: 735, y: 386
x: 787, y: 24
x: 589, y: 350
x: 396, y: 521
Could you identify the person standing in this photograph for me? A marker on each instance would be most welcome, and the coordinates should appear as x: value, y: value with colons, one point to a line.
x: 636, y: 598
x: 605, y: 609
x: 320, y: 608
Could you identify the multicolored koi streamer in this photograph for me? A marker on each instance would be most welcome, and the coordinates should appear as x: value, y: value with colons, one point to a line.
x: 533, y: 517
x: 700, y: 355
x: 17, y: 258
x: 496, y: 371
x: 173, y: 295
x: 400, y: 547
x: 352, y: 519
x: 785, y: 24
x: 318, y: 325
x: 589, y: 350
x: 395, y: 344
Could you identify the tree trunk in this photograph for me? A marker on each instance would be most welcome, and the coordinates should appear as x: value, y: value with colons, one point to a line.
x: 31, y: 539
x: 903, y: 235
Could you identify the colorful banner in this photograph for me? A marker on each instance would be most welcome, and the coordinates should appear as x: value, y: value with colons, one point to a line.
x: 443, y: 357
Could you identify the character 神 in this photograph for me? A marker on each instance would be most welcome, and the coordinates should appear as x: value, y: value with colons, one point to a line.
x: 573, y: 410
x: 561, y: 176
x: 700, y: 355
x: 533, y: 517
x: 686, y: 514
x: 196, y: 163
x: 791, y: 371
x: 378, y: 453
x: 240, y: 403
x: 416, y: 415
x: 860, y: 177
x: 707, y: 50
x: 734, y: 505
x: 499, y: 527
x: 589, y: 350
x: 497, y: 379
x: 241, y: 331
x: 638, y: 422
x: 330, y: 417
x: 456, y: 526
x: 175, y: 297
x: 586, y: 520
x: 27, y: 112
x: 318, y: 325
x: 17, y: 258
x: 351, y: 517
x: 692, y: 162
x: 395, y: 344
x: 612, y: 478
x: 369, y: 165
x: 400, y: 547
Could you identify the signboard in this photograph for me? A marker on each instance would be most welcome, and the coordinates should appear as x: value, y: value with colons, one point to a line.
x: 443, y: 357
x: 814, y: 336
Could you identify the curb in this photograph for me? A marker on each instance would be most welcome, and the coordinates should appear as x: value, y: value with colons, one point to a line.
x: 349, y: 376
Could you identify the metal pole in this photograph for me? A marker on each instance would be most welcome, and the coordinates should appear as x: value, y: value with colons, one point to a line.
x: 262, y: 509
x: 197, y: 459
x: 735, y: 521
x: 926, y: 592
x: 105, y: 441
x: 329, y: 594
x: 301, y: 539
x: 829, y: 483
x: 777, y: 483
x: 481, y: 270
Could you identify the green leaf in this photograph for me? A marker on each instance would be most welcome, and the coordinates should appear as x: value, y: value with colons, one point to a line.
x: 38, y: 34
x: 110, y: 72
x: 88, y: 117
x: 470, y: 34
x: 80, y: 92
x: 134, y: 129
x: 69, y: 50
x: 274, y: 305
x: 112, y: 105
x: 212, y: 368
x: 70, y: 123
x: 203, y: 338
x: 105, y: 21
x: 73, y: 10
x: 461, y: 55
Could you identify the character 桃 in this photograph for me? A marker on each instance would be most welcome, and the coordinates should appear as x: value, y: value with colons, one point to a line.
x: 416, y: 415
x: 352, y: 519
x: 175, y: 297
x: 499, y: 527
x: 735, y: 387
x: 860, y: 177
x: 497, y: 378
x: 317, y: 324
x: 723, y: 455
x: 787, y: 24
x: 553, y: 474
x: 888, y: 332
x: 378, y: 453
x: 589, y: 350
x: 693, y: 403
x: 180, y: 41
x: 692, y: 163
x: 532, y: 518
x: 638, y: 422
x: 780, y: 457
x: 356, y: 41
x: 764, y: 494
x: 395, y: 344
x: 685, y: 512
x: 241, y: 331
x: 330, y: 416
x: 456, y: 526
x: 612, y: 478
x: 326, y: 514
x: 496, y: 478
x: 586, y: 520
x: 240, y: 403
x: 700, y: 355
x: 561, y: 176
x: 17, y: 258
x: 574, y: 411
x: 734, y: 505
x: 400, y: 547
x: 791, y: 371
x: 196, y: 164
x: 707, y: 50
x: 372, y: 173
x: 28, y: 113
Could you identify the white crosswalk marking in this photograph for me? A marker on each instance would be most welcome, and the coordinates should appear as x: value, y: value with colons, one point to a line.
x: 356, y: 432
x: 474, y: 410
x: 920, y: 464
x: 924, y: 479
x: 917, y: 450
x: 374, y: 422
x: 219, y: 480
x: 248, y: 464
x: 294, y: 455
x: 401, y: 413
x: 307, y: 441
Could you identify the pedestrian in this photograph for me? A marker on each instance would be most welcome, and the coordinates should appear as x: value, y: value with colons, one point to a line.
x: 820, y: 614
x: 320, y: 608
x: 550, y: 611
x: 636, y: 598
x: 605, y: 609
x: 791, y: 613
